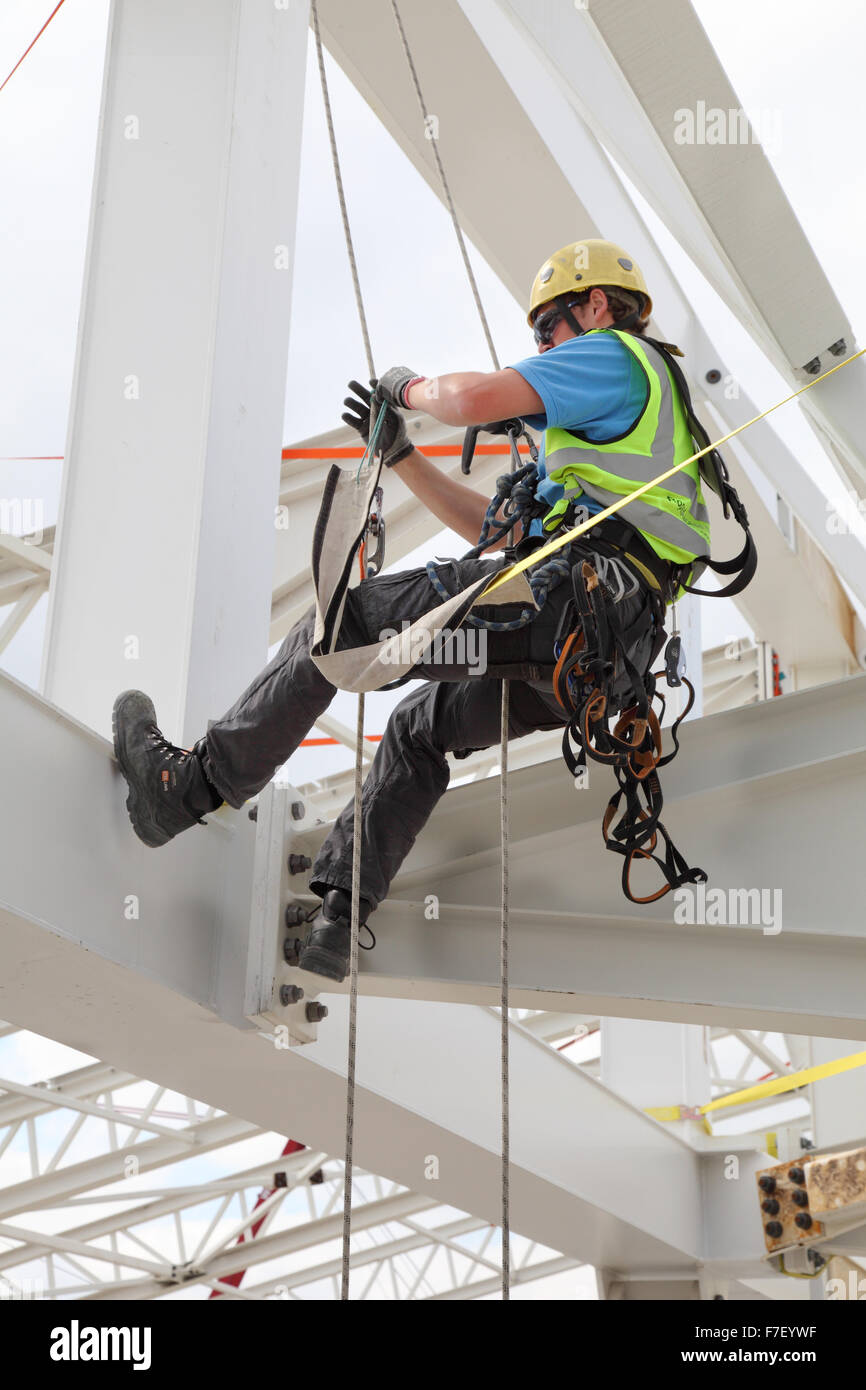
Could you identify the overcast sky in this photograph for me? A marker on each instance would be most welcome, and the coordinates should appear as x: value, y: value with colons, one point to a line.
x: 782, y: 55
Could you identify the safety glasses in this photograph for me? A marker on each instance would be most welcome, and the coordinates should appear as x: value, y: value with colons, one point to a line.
x: 544, y: 324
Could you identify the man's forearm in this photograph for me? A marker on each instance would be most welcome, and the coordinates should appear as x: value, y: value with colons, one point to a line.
x: 473, y: 398
x: 457, y: 506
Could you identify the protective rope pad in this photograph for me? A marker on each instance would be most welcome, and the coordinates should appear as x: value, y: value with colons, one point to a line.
x: 339, y: 531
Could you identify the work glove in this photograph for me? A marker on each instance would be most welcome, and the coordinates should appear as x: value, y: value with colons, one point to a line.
x: 391, y: 384
x: 393, y: 439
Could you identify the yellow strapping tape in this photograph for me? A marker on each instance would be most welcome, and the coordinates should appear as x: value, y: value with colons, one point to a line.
x: 538, y: 555
x: 764, y: 1088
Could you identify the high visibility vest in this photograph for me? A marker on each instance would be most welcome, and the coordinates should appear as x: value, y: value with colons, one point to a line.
x: 672, y: 516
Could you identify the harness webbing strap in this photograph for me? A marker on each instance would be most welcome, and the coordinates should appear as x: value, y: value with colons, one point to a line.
x: 715, y: 471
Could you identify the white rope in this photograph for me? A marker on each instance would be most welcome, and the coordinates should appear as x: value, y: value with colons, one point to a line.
x: 359, y: 736
x: 503, y: 760
x: 503, y: 1001
x: 458, y: 230
x: 359, y: 732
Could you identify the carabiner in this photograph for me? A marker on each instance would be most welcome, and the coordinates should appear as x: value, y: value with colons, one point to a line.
x: 375, y: 528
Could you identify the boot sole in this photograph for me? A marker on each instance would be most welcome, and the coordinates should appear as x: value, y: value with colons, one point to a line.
x: 326, y: 963
x: 146, y: 829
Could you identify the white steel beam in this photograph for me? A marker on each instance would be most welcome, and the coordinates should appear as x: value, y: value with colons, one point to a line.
x: 174, y: 1200
x: 765, y: 798
x: 613, y: 62
x: 60, y: 953
x: 165, y: 539
x: 30, y: 557
x: 74, y: 1178
x: 72, y: 968
x: 20, y: 613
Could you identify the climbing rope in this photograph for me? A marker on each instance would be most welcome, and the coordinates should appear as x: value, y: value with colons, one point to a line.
x: 503, y: 1001
x: 503, y: 776
x: 359, y: 731
x: 446, y: 189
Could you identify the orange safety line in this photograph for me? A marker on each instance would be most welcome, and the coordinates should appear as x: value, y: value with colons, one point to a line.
x: 27, y: 50
x: 327, y: 742
x: 437, y: 450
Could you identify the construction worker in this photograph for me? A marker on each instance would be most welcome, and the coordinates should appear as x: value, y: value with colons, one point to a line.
x: 611, y: 418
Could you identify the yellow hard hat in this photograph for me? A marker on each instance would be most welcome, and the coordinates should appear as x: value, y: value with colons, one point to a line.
x: 582, y: 264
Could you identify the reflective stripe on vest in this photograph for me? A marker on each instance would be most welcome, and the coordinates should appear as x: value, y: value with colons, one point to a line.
x: 672, y: 517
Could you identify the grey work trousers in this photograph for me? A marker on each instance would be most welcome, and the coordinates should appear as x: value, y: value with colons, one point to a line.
x: 454, y: 711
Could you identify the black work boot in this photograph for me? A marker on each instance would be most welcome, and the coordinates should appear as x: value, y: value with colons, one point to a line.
x: 168, y: 790
x: 328, y: 947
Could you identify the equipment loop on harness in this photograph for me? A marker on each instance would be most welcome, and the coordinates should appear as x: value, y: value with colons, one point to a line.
x: 593, y: 662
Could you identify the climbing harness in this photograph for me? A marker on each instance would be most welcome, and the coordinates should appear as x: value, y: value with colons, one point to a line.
x: 715, y: 473
x: 596, y: 677
x: 603, y: 671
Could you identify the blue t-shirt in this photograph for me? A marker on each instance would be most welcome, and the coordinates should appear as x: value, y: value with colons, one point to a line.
x: 593, y: 384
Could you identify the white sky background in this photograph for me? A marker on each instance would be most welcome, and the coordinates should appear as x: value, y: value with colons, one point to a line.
x: 786, y: 55
x: 804, y: 65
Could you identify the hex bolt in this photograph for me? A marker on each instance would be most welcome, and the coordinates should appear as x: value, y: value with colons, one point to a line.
x: 713, y: 376
x: 315, y: 1011
x: 290, y: 994
x: 315, y: 1178
x: 839, y: 348
x: 803, y: 1220
x: 292, y: 949
x: 299, y: 863
x: 295, y: 915
x: 812, y: 367
x: 796, y: 1174
x: 774, y: 1229
x: 253, y: 813
x: 800, y: 1198
x: 297, y: 810
x: 767, y: 1184
x: 770, y: 1206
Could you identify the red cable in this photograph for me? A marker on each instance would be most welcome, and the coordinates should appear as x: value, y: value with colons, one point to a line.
x: 27, y: 50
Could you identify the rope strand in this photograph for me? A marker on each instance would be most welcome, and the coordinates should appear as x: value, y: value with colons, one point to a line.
x: 446, y: 189
x: 515, y: 462
x: 503, y: 1001
x: 359, y: 732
